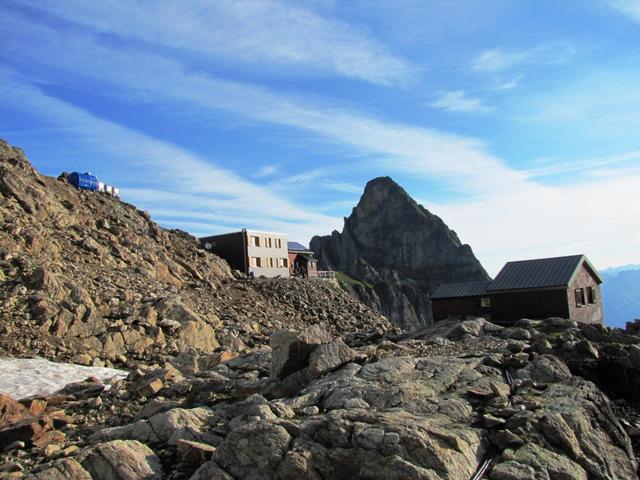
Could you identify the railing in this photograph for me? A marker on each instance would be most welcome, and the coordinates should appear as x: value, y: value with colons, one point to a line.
x: 326, y: 274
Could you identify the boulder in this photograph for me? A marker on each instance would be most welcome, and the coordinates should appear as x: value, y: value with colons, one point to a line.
x: 291, y: 350
x: 194, y: 453
x: 254, y: 450
x: 65, y: 469
x: 545, y: 369
x: 328, y: 357
x: 198, y: 335
x: 210, y: 471
x: 122, y: 460
x: 467, y: 328
x: 194, y: 331
x: 516, y: 333
x: 45, y: 280
x: 167, y: 427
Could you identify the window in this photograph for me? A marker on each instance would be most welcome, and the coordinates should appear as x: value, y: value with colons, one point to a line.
x: 268, y: 242
x: 591, y: 295
x: 285, y: 262
x: 485, y: 302
x: 278, y: 243
x: 579, y: 292
x: 270, y: 262
x: 255, y: 262
x: 254, y: 241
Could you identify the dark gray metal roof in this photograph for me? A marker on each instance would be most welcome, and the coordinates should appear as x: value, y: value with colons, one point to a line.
x: 538, y: 273
x: 461, y: 289
x: 297, y: 247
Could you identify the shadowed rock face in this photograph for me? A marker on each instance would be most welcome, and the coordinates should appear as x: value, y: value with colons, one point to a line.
x: 398, y: 252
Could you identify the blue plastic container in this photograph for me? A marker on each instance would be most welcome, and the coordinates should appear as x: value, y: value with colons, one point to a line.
x: 84, y: 180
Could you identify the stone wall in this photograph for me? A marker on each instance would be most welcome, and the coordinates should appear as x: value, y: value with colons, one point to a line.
x: 588, y: 313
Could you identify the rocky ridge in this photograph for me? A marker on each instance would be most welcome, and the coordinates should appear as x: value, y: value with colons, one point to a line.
x: 89, y: 278
x: 394, y: 253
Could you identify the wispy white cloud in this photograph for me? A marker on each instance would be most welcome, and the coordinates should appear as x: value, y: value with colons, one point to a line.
x: 316, y: 178
x: 339, y: 186
x: 511, y: 84
x: 267, y: 171
x: 177, y: 170
x: 601, y: 104
x: 264, y: 32
x: 301, y: 179
x: 496, y: 60
x: 499, y: 60
x: 586, y: 164
x: 461, y: 161
x: 458, y: 101
x: 505, y: 215
x: 631, y: 8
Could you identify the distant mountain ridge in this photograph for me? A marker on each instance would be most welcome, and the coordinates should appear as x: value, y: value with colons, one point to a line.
x: 621, y: 295
x: 612, y: 271
x: 393, y: 253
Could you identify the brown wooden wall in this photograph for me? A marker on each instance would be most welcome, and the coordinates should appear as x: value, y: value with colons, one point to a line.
x: 535, y: 304
x: 443, y: 308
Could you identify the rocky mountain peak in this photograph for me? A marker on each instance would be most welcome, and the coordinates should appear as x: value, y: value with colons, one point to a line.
x: 384, y: 188
x: 384, y: 198
x: 397, y: 253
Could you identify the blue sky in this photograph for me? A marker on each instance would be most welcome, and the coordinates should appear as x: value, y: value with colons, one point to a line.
x: 516, y: 122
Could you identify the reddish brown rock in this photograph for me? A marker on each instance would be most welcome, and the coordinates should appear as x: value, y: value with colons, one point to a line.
x: 194, y: 453
x: 36, y: 406
x: 49, y: 437
x: 11, y: 411
x: 24, y: 431
x: 151, y: 387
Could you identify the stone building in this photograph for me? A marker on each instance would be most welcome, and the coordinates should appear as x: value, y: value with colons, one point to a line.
x: 567, y: 287
x: 262, y: 254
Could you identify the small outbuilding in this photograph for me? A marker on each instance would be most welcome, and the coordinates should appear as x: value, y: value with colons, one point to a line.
x: 302, y: 262
x: 567, y: 287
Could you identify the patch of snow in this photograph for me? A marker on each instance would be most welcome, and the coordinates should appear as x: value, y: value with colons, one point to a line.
x: 26, y: 377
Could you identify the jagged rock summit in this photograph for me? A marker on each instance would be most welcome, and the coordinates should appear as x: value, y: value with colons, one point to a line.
x: 396, y: 253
